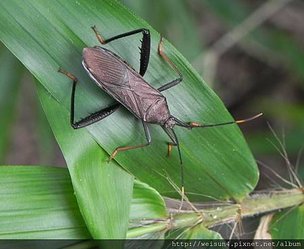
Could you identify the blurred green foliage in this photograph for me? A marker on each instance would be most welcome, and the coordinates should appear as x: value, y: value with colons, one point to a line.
x: 10, y: 77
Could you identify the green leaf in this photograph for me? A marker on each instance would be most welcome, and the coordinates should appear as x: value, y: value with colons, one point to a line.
x: 38, y: 202
x: 146, y: 203
x: 45, y: 36
x: 103, y: 190
x: 288, y: 224
x: 147, y: 206
x: 198, y: 232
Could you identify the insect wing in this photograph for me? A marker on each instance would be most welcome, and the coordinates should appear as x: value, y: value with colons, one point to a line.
x: 146, y: 97
x: 103, y: 66
x: 120, y: 81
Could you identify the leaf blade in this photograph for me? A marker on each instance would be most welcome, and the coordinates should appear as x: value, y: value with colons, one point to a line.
x: 288, y: 224
x: 39, y: 203
x: 33, y: 205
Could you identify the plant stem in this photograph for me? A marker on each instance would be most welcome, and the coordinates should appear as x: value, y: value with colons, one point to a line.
x: 256, y: 204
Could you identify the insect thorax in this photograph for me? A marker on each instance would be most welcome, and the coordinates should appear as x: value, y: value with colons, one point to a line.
x: 170, y: 122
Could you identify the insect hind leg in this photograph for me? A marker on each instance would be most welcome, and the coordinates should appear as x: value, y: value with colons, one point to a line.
x: 92, y: 118
x: 144, y: 49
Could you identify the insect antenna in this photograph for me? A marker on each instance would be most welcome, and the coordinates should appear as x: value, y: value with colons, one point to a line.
x: 171, y: 133
x: 198, y: 125
x: 178, y: 147
x: 181, y: 163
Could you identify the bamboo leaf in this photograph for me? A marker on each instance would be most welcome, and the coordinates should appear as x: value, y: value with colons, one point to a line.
x: 198, y: 232
x: 39, y: 202
x: 46, y: 36
x: 288, y: 224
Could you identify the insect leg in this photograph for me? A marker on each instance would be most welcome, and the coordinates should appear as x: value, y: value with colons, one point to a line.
x: 173, y: 137
x: 166, y: 58
x: 145, y: 45
x: 169, y: 84
x: 92, y: 118
x: 124, y: 148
